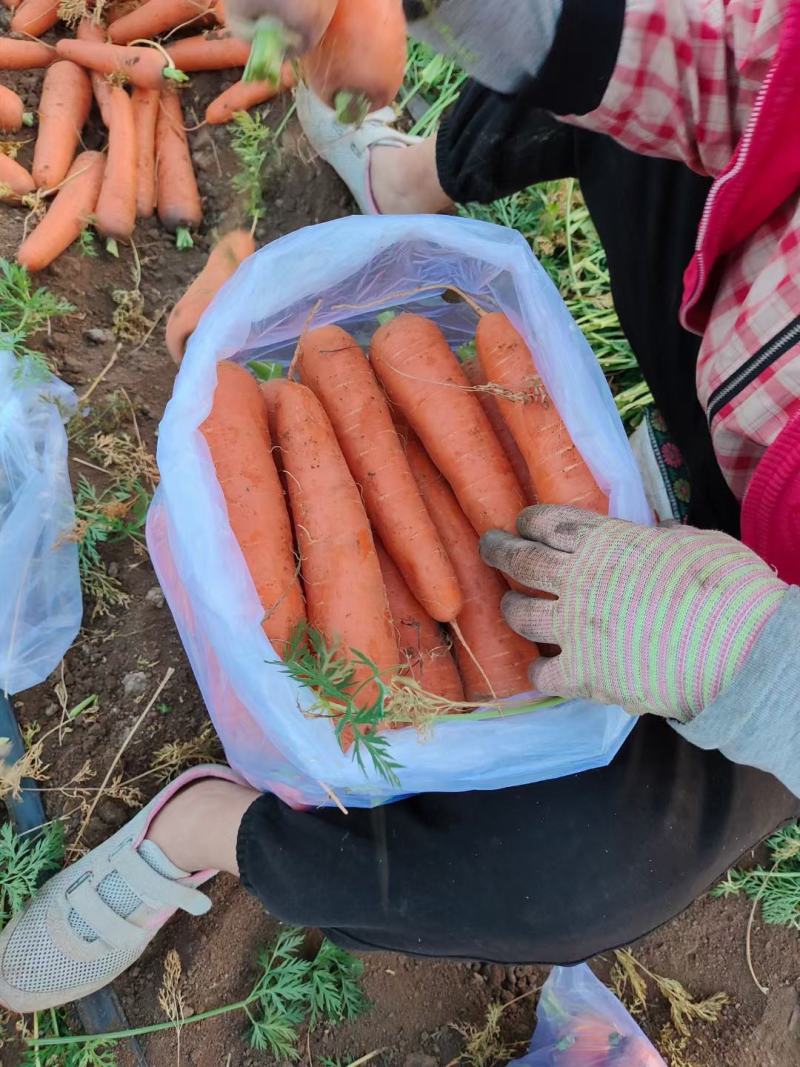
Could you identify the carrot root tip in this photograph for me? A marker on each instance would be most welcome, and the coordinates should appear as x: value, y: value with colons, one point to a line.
x: 183, y: 239
x: 267, y: 52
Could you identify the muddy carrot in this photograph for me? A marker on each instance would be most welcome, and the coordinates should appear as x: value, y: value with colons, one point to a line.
x: 503, y: 657
x: 63, y: 110
x: 139, y: 65
x: 215, y: 50
x: 241, y: 96
x: 425, y: 381
x: 69, y: 213
x: 35, y: 17
x: 558, y: 471
x: 345, y: 595
x: 237, y: 434
x: 24, y: 55
x: 424, y: 649
x: 335, y: 368
x: 15, y: 181
x: 225, y: 257
x: 12, y: 111
x: 359, y: 64
x: 474, y: 373
x: 155, y: 17
x: 177, y: 196
x: 145, y: 115
x: 115, y: 215
x: 89, y: 30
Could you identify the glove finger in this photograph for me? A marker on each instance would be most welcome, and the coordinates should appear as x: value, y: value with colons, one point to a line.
x: 557, y: 525
x: 547, y: 676
x: 533, y: 565
x: 530, y: 617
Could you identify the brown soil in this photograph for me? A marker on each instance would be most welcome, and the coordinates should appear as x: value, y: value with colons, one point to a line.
x: 415, y: 1004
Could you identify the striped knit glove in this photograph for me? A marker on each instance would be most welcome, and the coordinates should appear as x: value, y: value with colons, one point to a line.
x: 656, y: 619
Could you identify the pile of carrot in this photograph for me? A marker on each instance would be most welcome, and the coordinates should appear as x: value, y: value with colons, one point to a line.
x: 132, y: 66
x: 358, y: 488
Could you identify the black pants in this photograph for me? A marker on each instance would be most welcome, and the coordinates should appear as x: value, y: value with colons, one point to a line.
x: 555, y: 872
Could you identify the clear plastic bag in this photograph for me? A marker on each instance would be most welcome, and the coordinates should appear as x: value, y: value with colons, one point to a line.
x: 40, y: 592
x: 348, y: 271
x: 580, y: 1023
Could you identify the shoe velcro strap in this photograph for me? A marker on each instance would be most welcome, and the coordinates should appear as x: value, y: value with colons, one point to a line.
x: 156, y: 890
x: 111, y: 928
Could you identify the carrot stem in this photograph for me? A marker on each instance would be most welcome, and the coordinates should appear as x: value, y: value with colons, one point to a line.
x: 112, y: 247
x: 183, y: 239
x: 28, y: 118
x: 267, y: 52
x: 351, y: 108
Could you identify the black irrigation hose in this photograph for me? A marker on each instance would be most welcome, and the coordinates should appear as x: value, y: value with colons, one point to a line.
x: 101, y: 1012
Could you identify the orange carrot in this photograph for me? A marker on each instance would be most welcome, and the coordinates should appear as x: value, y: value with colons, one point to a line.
x: 557, y: 469
x: 423, y: 646
x: 63, y: 110
x: 145, y: 67
x: 15, y: 181
x: 177, y: 195
x: 24, y: 55
x: 503, y: 655
x: 145, y: 115
x: 237, y: 434
x: 225, y: 257
x: 10, y: 4
x: 115, y: 215
x: 345, y: 595
x: 35, y: 17
x: 360, y: 61
x: 425, y: 381
x: 215, y: 50
x: 155, y: 17
x: 474, y: 373
x: 89, y: 30
x: 12, y: 111
x: 332, y: 364
x: 241, y: 96
x: 72, y: 207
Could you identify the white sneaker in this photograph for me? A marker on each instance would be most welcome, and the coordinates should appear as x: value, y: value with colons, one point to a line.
x: 92, y: 920
x: 347, y: 148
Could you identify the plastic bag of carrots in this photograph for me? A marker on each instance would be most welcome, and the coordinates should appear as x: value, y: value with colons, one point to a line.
x: 316, y: 534
x: 580, y: 1023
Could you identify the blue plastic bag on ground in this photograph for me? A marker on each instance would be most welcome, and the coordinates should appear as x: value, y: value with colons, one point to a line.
x: 580, y: 1023
x: 348, y: 271
x: 40, y: 592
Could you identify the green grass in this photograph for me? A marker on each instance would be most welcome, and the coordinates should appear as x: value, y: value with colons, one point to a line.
x: 24, y: 861
x: 26, y: 310
x: 555, y: 221
x: 775, y: 887
x: 254, y: 146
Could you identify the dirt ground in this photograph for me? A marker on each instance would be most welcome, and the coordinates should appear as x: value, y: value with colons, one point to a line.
x: 122, y: 659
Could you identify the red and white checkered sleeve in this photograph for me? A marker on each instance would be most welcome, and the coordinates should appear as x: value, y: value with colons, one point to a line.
x: 686, y: 77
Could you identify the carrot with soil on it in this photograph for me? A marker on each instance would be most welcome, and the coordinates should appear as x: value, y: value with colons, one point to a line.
x: 115, y: 214
x: 15, y: 181
x: 225, y: 257
x: 177, y: 196
x: 425, y: 381
x: 149, y: 68
x: 423, y: 646
x: 156, y: 17
x: 35, y: 17
x: 335, y: 368
x: 70, y: 211
x: 558, y: 472
x: 89, y: 30
x: 345, y: 595
x: 238, y: 438
x: 215, y: 50
x: 359, y: 64
x: 145, y: 114
x: 63, y: 110
x: 242, y: 95
x: 474, y: 373
x: 24, y: 55
x: 503, y: 657
x: 13, y: 115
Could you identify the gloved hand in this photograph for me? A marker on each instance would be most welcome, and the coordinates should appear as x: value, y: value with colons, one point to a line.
x: 304, y: 20
x: 655, y: 619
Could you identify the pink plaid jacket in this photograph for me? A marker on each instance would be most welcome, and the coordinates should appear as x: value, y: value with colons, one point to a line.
x: 716, y: 83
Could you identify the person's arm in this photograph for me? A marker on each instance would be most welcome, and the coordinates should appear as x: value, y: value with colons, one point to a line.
x: 683, y: 623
